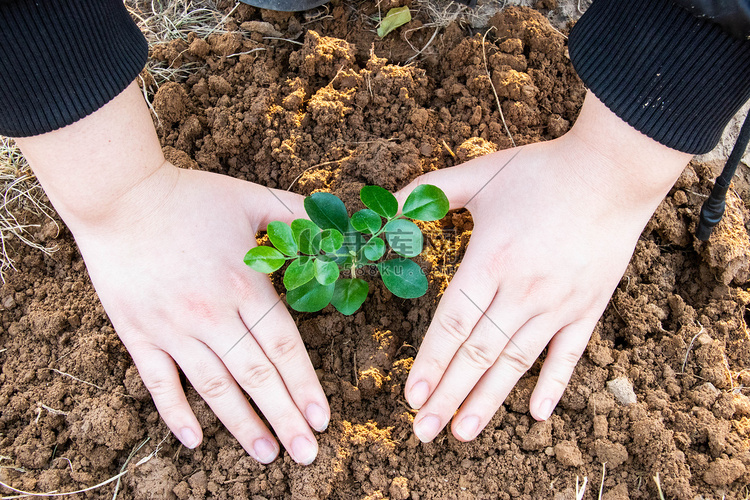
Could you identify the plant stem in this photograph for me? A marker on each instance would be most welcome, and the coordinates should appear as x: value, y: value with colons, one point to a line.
x: 386, y: 223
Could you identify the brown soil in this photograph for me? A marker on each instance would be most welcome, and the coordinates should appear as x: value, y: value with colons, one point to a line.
x: 338, y: 112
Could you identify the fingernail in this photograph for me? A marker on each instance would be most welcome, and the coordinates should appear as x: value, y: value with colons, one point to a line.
x: 304, y: 450
x: 467, y: 428
x: 189, y: 438
x: 418, y: 394
x: 427, y: 428
x: 545, y: 409
x: 265, y: 450
x: 316, y: 417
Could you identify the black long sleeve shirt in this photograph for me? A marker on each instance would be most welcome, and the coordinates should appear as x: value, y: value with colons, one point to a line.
x: 62, y: 60
x: 677, y: 71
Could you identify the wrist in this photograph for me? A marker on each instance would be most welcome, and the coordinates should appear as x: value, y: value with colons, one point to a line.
x: 129, y: 206
x: 617, y: 161
x: 99, y: 171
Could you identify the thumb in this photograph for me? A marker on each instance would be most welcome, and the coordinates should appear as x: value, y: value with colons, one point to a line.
x: 275, y: 204
x: 454, y: 181
x: 463, y: 183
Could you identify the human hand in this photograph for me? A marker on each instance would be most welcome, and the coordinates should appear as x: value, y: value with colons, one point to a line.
x: 174, y: 285
x: 164, y: 249
x: 555, y: 224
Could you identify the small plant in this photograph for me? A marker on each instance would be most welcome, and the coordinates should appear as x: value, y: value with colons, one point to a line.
x: 331, y: 242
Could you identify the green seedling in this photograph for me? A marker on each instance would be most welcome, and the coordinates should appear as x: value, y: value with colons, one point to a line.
x: 394, y: 19
x: 330, y: 243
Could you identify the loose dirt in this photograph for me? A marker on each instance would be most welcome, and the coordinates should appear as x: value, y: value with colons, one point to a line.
x: 343, y: 110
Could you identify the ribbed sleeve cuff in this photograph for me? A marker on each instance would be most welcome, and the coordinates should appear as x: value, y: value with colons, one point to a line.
x: 675, y: 78
x: 61, y: 61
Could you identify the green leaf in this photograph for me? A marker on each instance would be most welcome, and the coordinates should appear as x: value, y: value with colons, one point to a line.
x: 310, y: 297
x: 374, y: 249
x: 353, y: 240
x: 282, y: 238
x: 326, y: 272
x: 379, y: 200
x: 304, y: 231
x: 264, y: 259
x: 404, y: 237
x: 403, y: 277
x: 299, y: 272
x: 349, y: 294
x: 426, y: 202
x: 327, y: 211
x: 367, y: 221
x: 395, y: 18
x: 331, y: 240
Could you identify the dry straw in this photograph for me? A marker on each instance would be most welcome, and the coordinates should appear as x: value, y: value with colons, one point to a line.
x: 23, y: 205
x: 162, y: 21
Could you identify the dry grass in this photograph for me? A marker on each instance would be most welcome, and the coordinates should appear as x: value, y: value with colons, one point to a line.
x: 444, y: 12
x: 23, y: 205
x: 162, y: 21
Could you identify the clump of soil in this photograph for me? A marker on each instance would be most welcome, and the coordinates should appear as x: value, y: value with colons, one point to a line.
x: 336, y: 113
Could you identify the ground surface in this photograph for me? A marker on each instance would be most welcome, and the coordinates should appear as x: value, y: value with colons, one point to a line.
x: 340, y: 111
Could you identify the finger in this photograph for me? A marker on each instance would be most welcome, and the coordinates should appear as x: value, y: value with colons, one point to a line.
x: 278, y: 205
x: 217, y: 387
x: 493, y: 388
x: 470, y: 292
x: 472, y: 360
x: 565, y: 349
x: 274, y: 330
x: 259, y: 378
x: 160, y: 376
x: 452, y: 181
x: 459, y: 187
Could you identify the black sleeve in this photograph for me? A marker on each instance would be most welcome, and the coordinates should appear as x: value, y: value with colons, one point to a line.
x: 732, y: 15
x: 63, y: 60
x: 674, y: 77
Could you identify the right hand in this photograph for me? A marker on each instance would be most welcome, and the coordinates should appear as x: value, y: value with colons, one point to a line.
x: 172, y: 280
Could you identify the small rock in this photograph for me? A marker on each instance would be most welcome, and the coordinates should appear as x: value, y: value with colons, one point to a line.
x: 261, y: 27
x: 622, y: 389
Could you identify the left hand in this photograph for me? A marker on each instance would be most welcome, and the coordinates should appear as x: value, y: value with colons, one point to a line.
x: 553, y: 233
